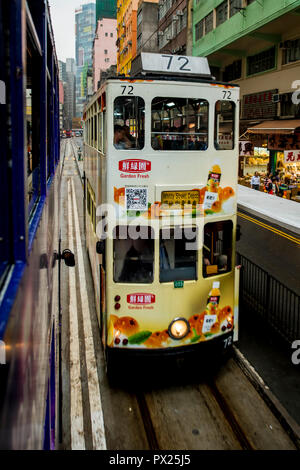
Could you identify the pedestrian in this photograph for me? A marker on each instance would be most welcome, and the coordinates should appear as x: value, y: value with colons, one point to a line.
x: 255, y: 181
x: 269, y: 185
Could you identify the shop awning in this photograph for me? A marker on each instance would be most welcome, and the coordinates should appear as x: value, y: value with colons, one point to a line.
x: 275, y: 127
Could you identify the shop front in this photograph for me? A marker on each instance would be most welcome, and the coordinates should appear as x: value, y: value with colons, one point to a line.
x: 278, y: 155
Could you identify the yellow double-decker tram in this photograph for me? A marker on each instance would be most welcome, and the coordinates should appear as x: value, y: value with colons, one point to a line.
x: 161, y: 163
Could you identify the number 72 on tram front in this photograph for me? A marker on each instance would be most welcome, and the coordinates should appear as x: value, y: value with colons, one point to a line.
x: 161, y: 162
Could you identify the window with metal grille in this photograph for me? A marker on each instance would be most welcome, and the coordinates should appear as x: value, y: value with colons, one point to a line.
x: 234, y: 7
x: 199, y: 30
x: 222, y: 13
x: 261, y: 62
x: 209, y: 22
x: 291, y: 51
x: 233, y: 71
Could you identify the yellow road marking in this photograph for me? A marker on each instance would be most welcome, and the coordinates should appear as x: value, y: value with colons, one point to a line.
x: 271, y: 229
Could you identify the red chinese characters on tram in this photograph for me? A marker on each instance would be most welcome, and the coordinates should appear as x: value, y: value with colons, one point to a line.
x: 141, y: 299
x: 135, y: 166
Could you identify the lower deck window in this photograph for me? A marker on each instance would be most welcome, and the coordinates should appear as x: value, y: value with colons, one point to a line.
x: 133, y: 255
x: 178, y: 254
x: 217, y: 248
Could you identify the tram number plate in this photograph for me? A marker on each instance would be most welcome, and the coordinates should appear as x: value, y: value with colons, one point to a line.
x: 178, y: 284
x: 182, y: 198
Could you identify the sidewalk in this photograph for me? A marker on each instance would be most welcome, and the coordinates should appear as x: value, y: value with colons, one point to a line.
x: 80, y: 163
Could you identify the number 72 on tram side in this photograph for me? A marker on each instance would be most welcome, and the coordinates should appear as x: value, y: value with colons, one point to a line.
x: 161, y: 165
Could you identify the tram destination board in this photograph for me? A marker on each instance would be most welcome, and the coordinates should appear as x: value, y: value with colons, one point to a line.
x: 175, y: 64
x: 180, y: 197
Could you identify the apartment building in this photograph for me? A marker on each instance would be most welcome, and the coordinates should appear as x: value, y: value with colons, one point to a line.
x: 172, y: 26
x: 126, y: 34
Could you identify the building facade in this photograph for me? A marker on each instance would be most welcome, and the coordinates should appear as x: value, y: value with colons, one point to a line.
x: 147, y: 21
x: 256, y: 44
x: 126, y: 34
x: 172, y: 26
x: 85, y: 18
x: 104, y: 49
x: 67, y: 75
x: 106, y: 9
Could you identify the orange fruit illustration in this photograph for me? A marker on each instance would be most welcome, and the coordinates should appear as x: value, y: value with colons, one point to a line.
x: 118, y: 193
x: 227, y: 193
x: 224, y: 313
x: 216, y: 206
x: 127, y: 325
x: 157, y: 339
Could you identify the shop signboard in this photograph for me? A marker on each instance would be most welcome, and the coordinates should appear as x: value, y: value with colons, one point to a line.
x: 292, y: 156
x: 260, y: 105
x: 284, y: 142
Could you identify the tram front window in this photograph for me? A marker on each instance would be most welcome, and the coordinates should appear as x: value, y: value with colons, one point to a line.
x: 217, y: 248
x: 178, y: 254
x: 179, y: 124
x: 129, y: 123
x: 133, y: 255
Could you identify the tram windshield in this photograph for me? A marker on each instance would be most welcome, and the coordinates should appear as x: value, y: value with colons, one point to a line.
x: 179, y: 124
x: 129, y: 123
x: 217, y: 248
x: 133, y: 255
x: 178, y: 254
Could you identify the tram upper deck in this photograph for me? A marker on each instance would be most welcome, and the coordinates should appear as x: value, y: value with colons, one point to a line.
x: 177, y: 133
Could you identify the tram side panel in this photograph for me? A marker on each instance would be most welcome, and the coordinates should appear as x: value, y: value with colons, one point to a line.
x: 95, y: 171
x: 33, y: 320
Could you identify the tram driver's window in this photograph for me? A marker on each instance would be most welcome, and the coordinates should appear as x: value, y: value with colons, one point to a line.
x: 179, y: 124
x: 217, y: 248
x: 178, y: 254
x: 129, y: 123
x: 224, y: 125
x: 133, y: 255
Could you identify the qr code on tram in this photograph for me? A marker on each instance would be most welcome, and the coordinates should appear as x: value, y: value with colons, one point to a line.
x: 136, y: 199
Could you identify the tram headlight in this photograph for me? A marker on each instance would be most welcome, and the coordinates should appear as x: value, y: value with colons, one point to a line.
x: 179, y: 328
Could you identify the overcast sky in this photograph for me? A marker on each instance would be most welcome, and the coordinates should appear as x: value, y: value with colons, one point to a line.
x: 63, y: 21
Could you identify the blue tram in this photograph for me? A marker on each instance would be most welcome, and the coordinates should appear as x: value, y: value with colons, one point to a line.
x: 29, y: 226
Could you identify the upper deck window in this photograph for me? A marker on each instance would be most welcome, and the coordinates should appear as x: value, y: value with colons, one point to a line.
x: 129, y: 123
x: 179, y: 124
x: 224, y: 125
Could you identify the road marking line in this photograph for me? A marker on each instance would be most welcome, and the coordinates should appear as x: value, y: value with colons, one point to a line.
x: 76, y: 407
x: 97, y: 420
x: 271, y: 229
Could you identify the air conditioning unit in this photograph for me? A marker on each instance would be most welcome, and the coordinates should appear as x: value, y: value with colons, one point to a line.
x: 175, y: 17
x: 160, y: 33
x: 169, y: 38
x: 179, y: 12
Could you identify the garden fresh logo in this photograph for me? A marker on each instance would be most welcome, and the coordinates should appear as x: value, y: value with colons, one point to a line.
x: 141, y: 301
x: 134, y: 168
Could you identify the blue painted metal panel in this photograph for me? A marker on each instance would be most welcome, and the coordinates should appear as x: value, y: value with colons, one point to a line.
x: 17, y: 96
x: 29, y: 298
